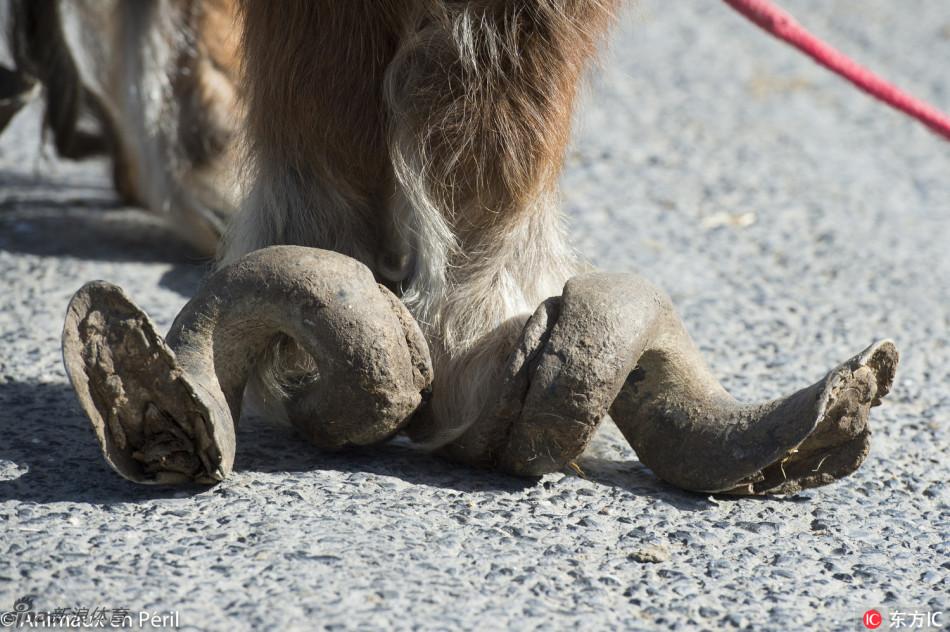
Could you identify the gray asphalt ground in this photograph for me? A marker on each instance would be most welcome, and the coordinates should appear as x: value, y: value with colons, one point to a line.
x: 793, y: 221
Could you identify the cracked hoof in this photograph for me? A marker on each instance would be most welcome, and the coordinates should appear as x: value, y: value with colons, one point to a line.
x: 164, y: 410
x: 614, y: 342
x: 151, y: 423
x: 840, y: 440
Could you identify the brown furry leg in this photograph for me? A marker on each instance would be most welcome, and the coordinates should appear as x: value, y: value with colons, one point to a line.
x: 316, y: 125
x: 316, y: 135
x: 480, y: 96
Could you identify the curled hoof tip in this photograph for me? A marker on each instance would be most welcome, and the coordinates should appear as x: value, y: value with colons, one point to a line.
x: 840, y: 440
x: 881, y: 358
x: 152, y: 425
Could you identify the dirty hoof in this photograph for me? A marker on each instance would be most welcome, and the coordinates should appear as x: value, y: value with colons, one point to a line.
x: 151, y: 424
x: 840, y: 441
x: 613, y: 342
x: 165, y: 410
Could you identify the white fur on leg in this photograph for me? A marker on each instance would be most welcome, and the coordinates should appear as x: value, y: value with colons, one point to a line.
x: 285, y: 208
x: 472, y: 313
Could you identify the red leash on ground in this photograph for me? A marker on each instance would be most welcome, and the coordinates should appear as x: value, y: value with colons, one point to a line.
x: 783, y: 26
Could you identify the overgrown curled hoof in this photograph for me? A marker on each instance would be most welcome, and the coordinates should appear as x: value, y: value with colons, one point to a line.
x: 151, y: 422
x: 612, y: 342
x: 840, y: 441
x: 164, y: 410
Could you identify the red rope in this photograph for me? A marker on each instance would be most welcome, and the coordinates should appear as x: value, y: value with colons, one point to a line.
x: 783, y: 26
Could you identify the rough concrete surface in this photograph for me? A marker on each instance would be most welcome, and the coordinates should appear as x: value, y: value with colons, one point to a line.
x: 792, y: 220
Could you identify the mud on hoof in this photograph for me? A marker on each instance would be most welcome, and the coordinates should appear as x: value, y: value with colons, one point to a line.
x: 165, y: 410
x: 151, y: 424
x: 840, y: 441
x: 614, y: 343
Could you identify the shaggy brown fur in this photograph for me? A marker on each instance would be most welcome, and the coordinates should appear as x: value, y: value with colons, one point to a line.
x: 422, y: 137
x: 425, y: 138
